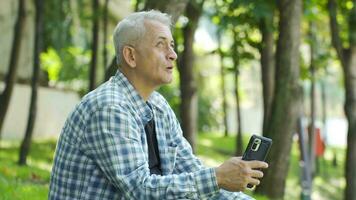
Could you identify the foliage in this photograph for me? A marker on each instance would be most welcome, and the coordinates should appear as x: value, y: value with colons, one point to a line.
x: 66, y: 40
x: 71, y: 67
x: 58, y: 19
x: 208, y: 111
x: 76, y: 65
x: 51, y: 62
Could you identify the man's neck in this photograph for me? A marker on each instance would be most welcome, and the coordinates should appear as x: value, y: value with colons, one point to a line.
x: 143, y: 89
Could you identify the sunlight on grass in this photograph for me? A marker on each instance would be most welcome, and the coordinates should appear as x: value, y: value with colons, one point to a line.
x: 44, y: 165
x: 206, y: 142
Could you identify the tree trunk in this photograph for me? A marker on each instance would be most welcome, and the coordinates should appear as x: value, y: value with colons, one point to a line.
x: 189, y: 103
x: 13, y: 65
x: 105, y: 33
x: 267, y: 68
x: 111, y: 69
x: 305, y: 176
x: 94, y: 48
x: 235, y: 59
x: 26, y: 143
x: 312, y: 136
x: 350, y: 110
x: 323, y: 105
x: 223, y: 91
x: 239, y: 142
x: 285, y: 102
x: 347, y: 58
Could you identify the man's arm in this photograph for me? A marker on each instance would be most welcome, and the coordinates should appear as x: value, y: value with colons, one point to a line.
x: 233, y: 175
x: 113, y: 141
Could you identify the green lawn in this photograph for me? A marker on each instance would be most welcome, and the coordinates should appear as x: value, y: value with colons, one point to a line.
x: 25, y: 182
x: 31, y: 182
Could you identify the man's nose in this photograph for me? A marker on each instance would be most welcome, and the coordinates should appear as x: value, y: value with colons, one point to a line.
x: 172, y: 55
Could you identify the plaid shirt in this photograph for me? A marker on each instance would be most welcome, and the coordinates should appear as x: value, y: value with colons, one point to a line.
x: 102, y: 151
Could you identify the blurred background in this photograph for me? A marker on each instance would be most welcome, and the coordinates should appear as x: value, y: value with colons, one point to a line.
x: 284, y: 69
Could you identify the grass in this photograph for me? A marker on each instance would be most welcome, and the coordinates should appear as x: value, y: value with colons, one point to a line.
x: 31, y: 182
x: 25, y: 182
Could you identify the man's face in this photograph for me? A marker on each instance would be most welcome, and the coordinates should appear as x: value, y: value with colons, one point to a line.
x: 155, y: 55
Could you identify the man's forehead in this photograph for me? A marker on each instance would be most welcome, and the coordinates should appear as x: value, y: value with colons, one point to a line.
x: 158, y: 30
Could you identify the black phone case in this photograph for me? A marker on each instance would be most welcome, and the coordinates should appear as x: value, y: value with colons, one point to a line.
x: 257, y: 153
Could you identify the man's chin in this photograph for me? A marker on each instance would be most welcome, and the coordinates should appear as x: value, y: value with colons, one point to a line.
x: 168, y: 80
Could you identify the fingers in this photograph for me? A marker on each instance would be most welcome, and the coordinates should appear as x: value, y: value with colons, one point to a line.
x: 257, y: 164
x: 235, y: 174
x: 254, y: 181
x: 256, y: 174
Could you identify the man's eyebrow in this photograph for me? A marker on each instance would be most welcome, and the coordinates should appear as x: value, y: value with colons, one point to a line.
x: 165, y: 38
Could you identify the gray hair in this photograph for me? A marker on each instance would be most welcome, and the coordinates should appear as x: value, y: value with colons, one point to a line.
x: 132, y: 29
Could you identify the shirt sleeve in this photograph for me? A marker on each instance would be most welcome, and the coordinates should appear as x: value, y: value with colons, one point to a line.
x: 226, y: 195
x: 113, y: 141
x: 186, y: 161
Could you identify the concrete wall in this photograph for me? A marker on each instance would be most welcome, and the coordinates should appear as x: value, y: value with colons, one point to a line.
x: 8, y: 17
x: 53, y: 108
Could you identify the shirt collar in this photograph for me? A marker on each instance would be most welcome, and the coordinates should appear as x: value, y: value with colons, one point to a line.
x: 143, y: 109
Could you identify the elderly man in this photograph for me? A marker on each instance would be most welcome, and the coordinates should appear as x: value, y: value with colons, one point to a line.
x: 123, y: 140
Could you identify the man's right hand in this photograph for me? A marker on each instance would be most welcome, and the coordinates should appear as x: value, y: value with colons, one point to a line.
x: 234, y: 174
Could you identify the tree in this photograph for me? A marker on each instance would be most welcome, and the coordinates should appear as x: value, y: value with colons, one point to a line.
x: 223, y: 90
x: 26, y: 143
x: 267, y: 64
x: 237, y: 20
x: 189, y: 100
x: 105, y: 33
x: 347, y: 57
x: 312, y: 135
x: 286, y: 96
x: 94, y: 49
x: 235, y: 54
x: 13, y: 65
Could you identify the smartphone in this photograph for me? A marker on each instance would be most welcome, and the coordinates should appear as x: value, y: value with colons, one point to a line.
x: 257, y: 149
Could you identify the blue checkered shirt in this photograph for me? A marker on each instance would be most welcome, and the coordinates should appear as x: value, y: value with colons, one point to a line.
x: 102, y: 151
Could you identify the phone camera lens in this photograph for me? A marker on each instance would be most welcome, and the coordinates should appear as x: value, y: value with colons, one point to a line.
x: 256, y: 144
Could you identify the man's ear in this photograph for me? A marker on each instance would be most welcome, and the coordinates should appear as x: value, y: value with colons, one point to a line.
x: 129, y: 56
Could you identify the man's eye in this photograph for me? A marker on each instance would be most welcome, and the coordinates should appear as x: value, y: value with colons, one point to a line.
x: 159, y: 44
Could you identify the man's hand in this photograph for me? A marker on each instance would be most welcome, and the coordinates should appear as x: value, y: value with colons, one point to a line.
x: 235, y: 173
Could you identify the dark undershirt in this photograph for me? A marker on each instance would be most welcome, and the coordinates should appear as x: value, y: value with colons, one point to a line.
x: 154, y: 162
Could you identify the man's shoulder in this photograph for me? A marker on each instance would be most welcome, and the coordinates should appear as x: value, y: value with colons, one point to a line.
x: 105, y: 95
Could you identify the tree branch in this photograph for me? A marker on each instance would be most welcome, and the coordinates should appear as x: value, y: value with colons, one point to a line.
x: 352, y: 26
x: 334, y: 28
